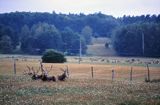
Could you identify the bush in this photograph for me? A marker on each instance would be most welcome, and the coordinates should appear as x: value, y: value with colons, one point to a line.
x: 51, y: 56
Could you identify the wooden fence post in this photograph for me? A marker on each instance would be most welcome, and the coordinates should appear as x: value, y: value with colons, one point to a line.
x: 92, y: 71
x: 131, y: 74
x: 14, y: 66
x: 112, y: 75
x: 148, y: 73
x: 67, y: 71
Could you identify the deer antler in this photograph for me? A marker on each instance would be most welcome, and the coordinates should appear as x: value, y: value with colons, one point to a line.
x: 25, y: 72
x: 38, y: 70
x: 51, y: 67
x: 42, y: 69
x: 30, y: 71
x: 33, y: 70
x: 29, y: 68
x: 62, y: 69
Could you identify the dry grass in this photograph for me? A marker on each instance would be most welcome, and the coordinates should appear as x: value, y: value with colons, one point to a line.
x: 77, y: 71
x: 80, y: 88
x: 18, y: 90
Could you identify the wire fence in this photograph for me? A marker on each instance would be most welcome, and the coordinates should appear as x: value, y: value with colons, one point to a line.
x: 83, y: 71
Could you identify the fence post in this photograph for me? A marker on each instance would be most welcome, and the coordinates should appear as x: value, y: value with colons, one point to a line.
x: 14, y: 66
x: 148, y: 73
x: 112, y: 75
x: 92, y: 71
x: 131, y: 74
x: 67, y: 71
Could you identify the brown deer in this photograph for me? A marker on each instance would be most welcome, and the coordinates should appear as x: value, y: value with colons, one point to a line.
x: 29, y: 72
x: 45, y: 76
x: 35, y: 75
x: 48, y: 78
x: 64, y: 75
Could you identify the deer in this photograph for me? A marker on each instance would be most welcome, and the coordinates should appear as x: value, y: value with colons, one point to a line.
x: 45, y: 76
x: 63, y: 76
x: 48, y: 78
x: 29, y: 72
x: 35, y: 75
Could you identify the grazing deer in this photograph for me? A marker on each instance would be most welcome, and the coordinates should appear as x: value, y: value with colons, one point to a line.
x: 63, y: 76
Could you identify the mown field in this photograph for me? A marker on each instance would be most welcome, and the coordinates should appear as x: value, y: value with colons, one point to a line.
x: 80, y: 88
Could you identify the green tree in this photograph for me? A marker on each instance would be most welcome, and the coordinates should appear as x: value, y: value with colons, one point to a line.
x: 26, y: 39
x: 46, y: 37
x: 67, y: 37
x: 5, y: 44
x: 71, y: 41
x: 87, y: 34
x: 7, y: 30
x: 128, y: 40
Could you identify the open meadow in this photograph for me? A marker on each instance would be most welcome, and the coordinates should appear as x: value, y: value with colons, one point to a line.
x: 92, y: 82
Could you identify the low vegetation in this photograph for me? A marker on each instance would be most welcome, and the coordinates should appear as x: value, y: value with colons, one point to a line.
x: 80, y: 88
x: 18, y: 90
x: 51, y: 56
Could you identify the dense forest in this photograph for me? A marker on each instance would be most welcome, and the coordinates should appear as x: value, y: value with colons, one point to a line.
x: 138, y: 36
x: 33, y: 33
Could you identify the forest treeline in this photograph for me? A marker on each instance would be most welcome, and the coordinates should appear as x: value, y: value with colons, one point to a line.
x: 137, y: 36
x: 33, y: 33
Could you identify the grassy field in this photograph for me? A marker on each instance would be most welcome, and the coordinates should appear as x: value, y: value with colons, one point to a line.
x: 20, y: 90
x: 97, y: 47
x: 101, y: 69
x: 80, y: 88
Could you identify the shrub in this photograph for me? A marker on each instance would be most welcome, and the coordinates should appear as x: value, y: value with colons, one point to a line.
x: 51, y: 56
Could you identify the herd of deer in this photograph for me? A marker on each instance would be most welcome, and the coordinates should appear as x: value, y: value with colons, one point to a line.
x: 44, y: 74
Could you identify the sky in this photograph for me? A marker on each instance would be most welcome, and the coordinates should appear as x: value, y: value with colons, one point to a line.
x: 117, y: 8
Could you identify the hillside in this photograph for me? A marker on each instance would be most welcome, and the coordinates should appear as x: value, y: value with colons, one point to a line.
x: 97, y: 48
